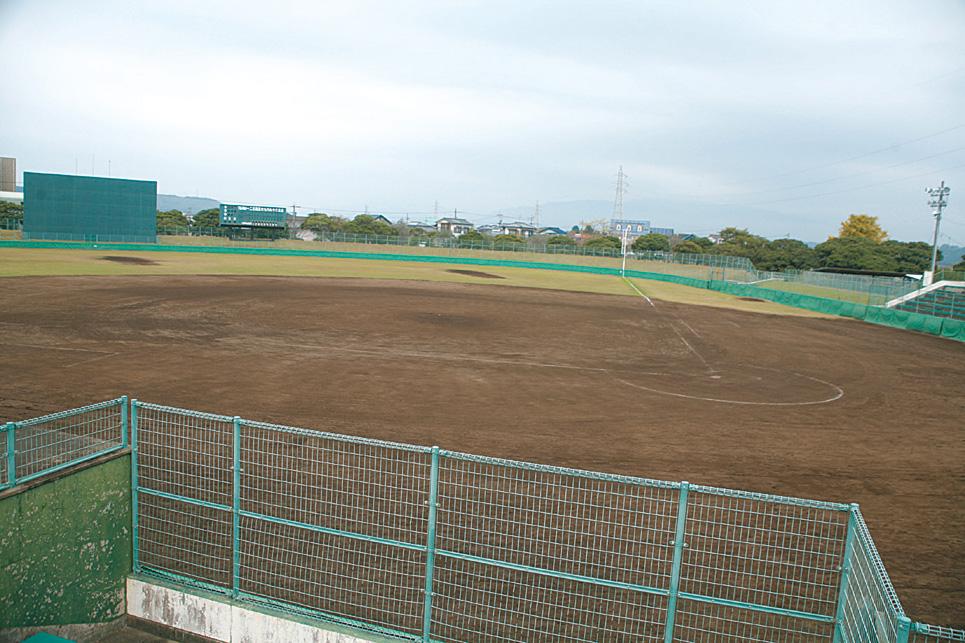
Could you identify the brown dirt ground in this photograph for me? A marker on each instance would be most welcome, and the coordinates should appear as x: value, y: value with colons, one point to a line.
x: 591, y: 381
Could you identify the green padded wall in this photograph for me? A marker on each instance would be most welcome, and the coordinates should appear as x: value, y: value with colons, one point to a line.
x: 88, y: 208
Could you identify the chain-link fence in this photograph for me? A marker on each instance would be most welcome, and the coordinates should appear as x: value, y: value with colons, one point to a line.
x: 434, y: 545
x: 42, y: 445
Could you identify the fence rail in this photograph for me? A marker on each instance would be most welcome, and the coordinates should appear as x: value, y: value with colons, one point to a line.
x: 434, y: 545
x: 42, y: 445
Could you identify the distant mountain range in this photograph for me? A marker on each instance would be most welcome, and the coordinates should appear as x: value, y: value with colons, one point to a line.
x: 951, y: 254
x: 186, y: 204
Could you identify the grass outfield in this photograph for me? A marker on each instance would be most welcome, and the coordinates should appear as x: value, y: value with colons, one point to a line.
x: 21, y: 262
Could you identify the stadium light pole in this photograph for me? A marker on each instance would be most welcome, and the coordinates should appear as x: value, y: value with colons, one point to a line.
x: 937, y: 200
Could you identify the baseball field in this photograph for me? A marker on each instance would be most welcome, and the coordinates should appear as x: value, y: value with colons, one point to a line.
x: 573, y: 369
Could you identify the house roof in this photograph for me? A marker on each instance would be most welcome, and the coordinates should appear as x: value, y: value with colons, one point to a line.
x: 517, y: 224
x: 454, y: 221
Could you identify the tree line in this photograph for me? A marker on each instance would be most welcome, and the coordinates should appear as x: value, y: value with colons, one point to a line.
x: 861, y: 244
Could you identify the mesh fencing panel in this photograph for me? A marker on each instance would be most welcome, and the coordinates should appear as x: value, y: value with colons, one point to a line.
x: 184, y: 468
x: 934, y: 634
x: 53, y: 441
x: 871, y: 610
x: 750, y: 548
x: 357, y: 531
x: 295, y: 483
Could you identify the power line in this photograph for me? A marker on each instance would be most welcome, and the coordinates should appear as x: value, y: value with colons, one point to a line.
x: 855, y: 174
x: 859, y: 187
x: 861, y: 156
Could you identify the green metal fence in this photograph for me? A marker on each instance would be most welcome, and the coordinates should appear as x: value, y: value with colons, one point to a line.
x: 426, y: 544
x: 42, y: 445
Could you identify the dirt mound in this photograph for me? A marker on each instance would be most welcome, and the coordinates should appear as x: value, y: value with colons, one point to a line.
x: 139, y: 261
x: 474, y: 273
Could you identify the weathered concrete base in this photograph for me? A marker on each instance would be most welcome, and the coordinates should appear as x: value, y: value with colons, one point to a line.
x: 218, y: 618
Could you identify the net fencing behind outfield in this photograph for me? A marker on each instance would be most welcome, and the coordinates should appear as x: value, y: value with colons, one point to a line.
x: 426, y: 544
x: 39, y: 446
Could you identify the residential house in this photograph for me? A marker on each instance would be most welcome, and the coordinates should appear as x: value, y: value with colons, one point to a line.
x: 454, y: 226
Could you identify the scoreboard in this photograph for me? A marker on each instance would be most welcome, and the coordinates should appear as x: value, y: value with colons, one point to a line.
x: 253, y: 216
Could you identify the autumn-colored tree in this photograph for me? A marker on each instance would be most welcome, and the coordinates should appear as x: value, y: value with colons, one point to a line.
x: 863, y: 226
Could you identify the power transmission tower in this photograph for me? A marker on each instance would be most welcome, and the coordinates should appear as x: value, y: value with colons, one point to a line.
x: 621, y: 190
x: 535, y: 221
x: 435, y: 210
x: 937, y: 201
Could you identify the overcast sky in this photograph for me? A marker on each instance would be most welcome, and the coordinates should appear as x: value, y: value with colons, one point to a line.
x: 721, y: 113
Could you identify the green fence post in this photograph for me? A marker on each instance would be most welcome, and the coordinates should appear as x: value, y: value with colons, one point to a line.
x: 124, y: 427
x: 845, y: 572
x: 236, y: 507
x: 135, y: 554
x: 904, y: 629
x: 11, y: 454
x: 678, y: 553
x: 431, y: 544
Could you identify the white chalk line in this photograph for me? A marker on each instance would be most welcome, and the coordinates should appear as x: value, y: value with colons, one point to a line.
x: 607, y: 371
x: 55, y: 348
x: 689, y: 327
x: 839, y: 393
x: 639, y: 292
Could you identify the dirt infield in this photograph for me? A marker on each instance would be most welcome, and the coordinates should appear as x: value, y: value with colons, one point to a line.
x: 830, y: 409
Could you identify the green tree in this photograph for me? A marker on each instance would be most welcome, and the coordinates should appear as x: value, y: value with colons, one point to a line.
x: 864, y: 226
x: 561, y: 240
x: 651, y: 242
x: 857, y: 253
x: 368, y: 224
x: 507, y: 240
x: 911, y: 257
x: 703, y: 242
x: 738, y: 242
x: 10, y: 210
x: 603, y: 243
x: 689, y: 246
x: 782, y: 254
x: 473, y: 238
x: 209, y: 218
x: 960, y: 266
x: 171, y: 219
x: 321, y: 223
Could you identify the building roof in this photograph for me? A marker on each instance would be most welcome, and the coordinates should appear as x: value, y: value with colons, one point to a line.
x: 517, y: 224
x: 454, y: 221
x: 552, y: 230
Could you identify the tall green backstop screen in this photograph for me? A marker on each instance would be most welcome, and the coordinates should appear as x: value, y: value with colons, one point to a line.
x: 89, y: 208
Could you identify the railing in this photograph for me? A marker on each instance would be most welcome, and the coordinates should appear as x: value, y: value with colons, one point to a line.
x: 433, y: 545
x: 40, y: 446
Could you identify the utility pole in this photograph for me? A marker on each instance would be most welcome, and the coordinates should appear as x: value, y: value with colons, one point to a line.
x: 535, y: 220
x: 294, y: 215
x: 937, y: 201
x: 435, y: 210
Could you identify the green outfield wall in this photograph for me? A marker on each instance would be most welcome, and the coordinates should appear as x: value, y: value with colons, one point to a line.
x: 948, y: 328
x: 65, y: 547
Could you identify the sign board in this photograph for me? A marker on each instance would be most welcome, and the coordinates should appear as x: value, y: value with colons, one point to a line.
x: 253, y: 216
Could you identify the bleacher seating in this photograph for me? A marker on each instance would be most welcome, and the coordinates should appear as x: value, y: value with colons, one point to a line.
x: 947, y: 301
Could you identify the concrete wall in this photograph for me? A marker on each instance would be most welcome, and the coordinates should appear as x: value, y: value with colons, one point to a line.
x: 216, y: 617
x: 65, y: 547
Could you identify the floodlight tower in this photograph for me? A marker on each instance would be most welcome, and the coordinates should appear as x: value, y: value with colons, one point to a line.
x: 937, y: 201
